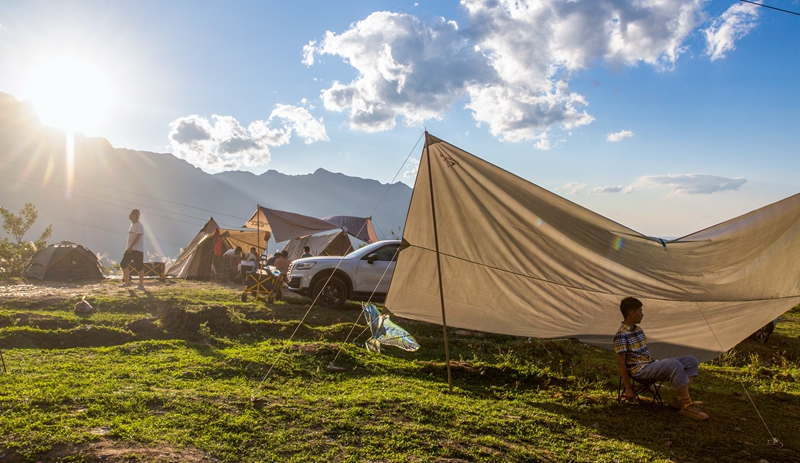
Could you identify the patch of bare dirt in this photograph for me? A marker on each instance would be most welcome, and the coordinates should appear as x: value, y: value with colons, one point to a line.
x: 61, y: 289
x: 75, y: 289
x: 111, y: 451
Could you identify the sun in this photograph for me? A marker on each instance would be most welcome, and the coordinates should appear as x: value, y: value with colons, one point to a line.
x: 69, y: 93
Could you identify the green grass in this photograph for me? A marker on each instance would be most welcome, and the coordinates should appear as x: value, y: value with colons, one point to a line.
x: 199, y: 383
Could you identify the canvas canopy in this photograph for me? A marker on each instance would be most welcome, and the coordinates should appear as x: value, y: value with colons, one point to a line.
x: 64, y: 261
x: 519, y: 260
x: 195, y: 262
x: 360, y: 227
x: 286, y: 225
x: 331, y: 244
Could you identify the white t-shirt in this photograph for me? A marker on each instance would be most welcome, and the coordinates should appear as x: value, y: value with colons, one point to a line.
x: 136, y: 229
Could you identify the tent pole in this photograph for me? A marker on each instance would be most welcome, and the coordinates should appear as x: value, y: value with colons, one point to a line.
x: 439, y: 267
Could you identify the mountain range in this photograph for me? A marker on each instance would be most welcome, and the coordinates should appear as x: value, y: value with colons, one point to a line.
x: 89, y: 202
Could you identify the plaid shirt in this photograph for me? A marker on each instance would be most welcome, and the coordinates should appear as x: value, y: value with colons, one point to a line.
x: 632, y: 341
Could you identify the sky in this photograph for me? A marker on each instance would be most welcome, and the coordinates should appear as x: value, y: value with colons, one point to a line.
x: 665, y: 116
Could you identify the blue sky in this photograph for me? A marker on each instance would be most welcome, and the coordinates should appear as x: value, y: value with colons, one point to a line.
x: 668, y: 117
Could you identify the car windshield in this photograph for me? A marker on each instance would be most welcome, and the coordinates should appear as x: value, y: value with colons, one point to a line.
x: 370, y: 248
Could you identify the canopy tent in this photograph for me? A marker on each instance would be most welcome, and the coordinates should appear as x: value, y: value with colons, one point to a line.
x: 331, y: 244
x: 519, y: 260
x: 360, y: 227
x: 286, y: 225
x: 196, y: 260
x: 64, y: 261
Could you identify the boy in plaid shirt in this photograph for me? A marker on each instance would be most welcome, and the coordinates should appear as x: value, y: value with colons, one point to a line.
x: 633, y: 360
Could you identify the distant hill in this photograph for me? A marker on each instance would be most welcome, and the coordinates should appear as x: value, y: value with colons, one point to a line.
x: 175, y: 197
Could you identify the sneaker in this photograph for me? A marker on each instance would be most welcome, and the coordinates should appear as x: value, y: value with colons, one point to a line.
x: 694, y: 413
x: 677, y: 405
x: 140, y: 287
x: 125, y: 285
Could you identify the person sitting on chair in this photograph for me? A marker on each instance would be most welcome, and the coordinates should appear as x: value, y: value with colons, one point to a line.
x: 271, y: 260
x: 282, y: 264
x: 634, y: 361
x: 248, y: 263
x: 231, y: 259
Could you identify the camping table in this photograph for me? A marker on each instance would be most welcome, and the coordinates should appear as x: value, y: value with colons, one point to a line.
x: 151, y: 269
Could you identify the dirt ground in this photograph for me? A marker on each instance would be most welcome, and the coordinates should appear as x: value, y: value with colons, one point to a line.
x: 111, y: 451
x: 72, y: 289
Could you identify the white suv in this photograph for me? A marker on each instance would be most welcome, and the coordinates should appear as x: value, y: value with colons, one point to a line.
x: 363, y: 273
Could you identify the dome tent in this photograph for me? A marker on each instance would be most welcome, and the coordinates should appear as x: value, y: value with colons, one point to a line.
x: 64, y: 261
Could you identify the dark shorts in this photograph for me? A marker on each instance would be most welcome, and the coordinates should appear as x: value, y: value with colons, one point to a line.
x: 133, y: 259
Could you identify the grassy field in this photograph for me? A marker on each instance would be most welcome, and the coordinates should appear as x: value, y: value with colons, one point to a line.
x: 180, y: 374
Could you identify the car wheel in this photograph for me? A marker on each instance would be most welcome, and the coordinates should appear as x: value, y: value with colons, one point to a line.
x: 331, y: 295
x: 764, y: 333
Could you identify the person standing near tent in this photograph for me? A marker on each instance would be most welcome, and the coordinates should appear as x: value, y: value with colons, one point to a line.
x: 134, y: 253
x: 633, y: 360
x: 306, y: 252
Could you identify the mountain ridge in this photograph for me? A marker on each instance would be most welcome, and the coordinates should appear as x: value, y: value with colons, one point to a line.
x: 176, y: 198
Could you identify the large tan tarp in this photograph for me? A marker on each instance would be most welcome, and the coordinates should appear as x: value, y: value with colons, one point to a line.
x: 286, y: 225
x: 519, y: 260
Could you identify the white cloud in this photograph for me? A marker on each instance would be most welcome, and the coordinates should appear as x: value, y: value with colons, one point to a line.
x: 511, y: 66
x: 736, y: 22
x: 573, y: 188
x: 308, y: 53
x: 621, y: 135
x: 606, y: 189
x: 227, y: 145
x: 690, y: 184
x: 414, y: 168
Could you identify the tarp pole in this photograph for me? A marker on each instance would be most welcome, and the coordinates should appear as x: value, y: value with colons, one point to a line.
x: 258, y: 236
x: 439, y: 267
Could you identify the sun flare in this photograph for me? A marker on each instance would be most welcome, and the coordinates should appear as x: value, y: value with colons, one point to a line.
x: 69, y: 94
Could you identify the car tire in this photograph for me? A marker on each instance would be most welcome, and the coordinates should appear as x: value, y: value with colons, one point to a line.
x: 331, y: 295
x: 764, y: 333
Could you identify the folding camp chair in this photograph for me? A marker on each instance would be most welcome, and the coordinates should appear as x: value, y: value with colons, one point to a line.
x: 263, y: 283
x: 651, y: 390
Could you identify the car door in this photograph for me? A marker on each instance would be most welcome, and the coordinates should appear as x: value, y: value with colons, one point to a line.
x: 376, y: 275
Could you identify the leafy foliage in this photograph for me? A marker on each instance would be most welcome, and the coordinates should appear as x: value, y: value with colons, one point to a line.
x: 14, y: 255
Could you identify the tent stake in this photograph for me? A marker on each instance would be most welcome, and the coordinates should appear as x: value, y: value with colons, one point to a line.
x: 439, y: 267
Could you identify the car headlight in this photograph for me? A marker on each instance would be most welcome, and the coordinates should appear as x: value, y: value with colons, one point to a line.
x: 303, y: 265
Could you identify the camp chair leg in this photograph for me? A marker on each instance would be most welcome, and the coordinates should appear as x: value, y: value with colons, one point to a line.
x: 651, y: 389
x: 4, y: 362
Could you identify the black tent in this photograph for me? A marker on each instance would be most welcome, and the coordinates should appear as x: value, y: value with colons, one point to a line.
x: 64, y: 261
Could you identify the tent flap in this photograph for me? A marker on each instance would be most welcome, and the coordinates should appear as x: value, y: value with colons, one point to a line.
x: 519, y: 260
x: 360, y: 227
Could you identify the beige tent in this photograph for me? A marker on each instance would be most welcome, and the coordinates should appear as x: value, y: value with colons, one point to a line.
x: 331, y: 244
x: 519, y: 260
x: 286, y: 225
x: 196, y: 261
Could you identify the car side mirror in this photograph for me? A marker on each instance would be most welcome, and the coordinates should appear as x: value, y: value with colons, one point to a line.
x: 372, y: 258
